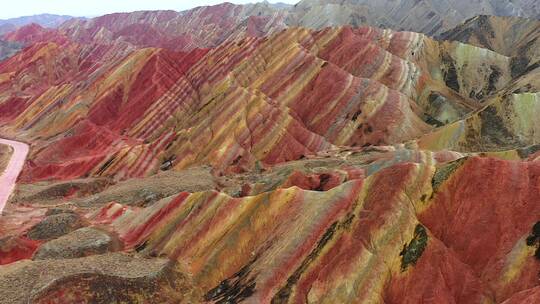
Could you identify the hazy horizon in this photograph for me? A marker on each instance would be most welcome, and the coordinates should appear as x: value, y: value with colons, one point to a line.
x: 94, y: 8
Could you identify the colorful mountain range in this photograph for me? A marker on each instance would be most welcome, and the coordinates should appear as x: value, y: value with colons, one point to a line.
x: 327, y: 152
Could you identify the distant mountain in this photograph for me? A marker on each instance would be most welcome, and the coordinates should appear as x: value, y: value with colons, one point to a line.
x: 15, y: 33
x: 35, y: 33
x: 510, y: 36
x: 207, y: 26
x: 201, y: 27
x: 281, y: 5
x: 426, y: 16
x: 6, y: 28
x: 45, y: 20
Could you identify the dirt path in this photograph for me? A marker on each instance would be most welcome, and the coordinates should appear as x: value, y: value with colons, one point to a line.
x: 8, y: 179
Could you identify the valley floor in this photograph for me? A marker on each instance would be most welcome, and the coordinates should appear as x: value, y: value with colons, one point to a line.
x: 9, y: 176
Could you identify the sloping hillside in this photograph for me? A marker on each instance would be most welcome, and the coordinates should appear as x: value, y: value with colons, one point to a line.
x: 428, y: 16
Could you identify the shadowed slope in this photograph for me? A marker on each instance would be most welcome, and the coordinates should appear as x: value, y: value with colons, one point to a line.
x: 8, y: 49
x: 509, y: 36
x: 431, y: 16
x: 517, y: 38
x: 508, y: 123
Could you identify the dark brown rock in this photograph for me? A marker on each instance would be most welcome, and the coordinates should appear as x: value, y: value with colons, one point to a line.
x: 79, y: 243
x: 56, y: 225
x: 54, y: 211
x: 109, y: 278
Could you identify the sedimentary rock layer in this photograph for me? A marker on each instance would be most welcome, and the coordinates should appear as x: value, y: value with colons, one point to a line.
x: 431, y: 17
x: 200, y: 27
x: 246, y: 101
x: 370, y: 239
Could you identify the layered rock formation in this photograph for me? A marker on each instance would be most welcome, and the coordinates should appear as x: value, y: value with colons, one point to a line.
x: 366, y: 231
x: 202, y: 27
x: 45, y: 20
x: 514, y: 37
x: 387, y: 227
x: 220, y: 156
x: 208, y: 26
x: 430, y: 16
x: 206, y: 107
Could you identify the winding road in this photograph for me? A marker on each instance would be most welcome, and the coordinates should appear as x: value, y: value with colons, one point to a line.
x: 8, y: 178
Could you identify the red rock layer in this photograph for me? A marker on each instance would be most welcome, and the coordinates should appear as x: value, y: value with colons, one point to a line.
x: 484, y: 213
x: 350, y: 243
x: 14, y: 222
x: 246, y: 101
x: 201, y: 27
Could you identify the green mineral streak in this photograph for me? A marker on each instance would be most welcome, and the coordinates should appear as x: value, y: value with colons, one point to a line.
x: 525, y: 108
x: 466, y: 53
x: 413, y: 251
x: 443, y: 173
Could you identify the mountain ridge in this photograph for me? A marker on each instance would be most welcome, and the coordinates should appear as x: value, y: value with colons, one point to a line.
x: 45, y: 20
